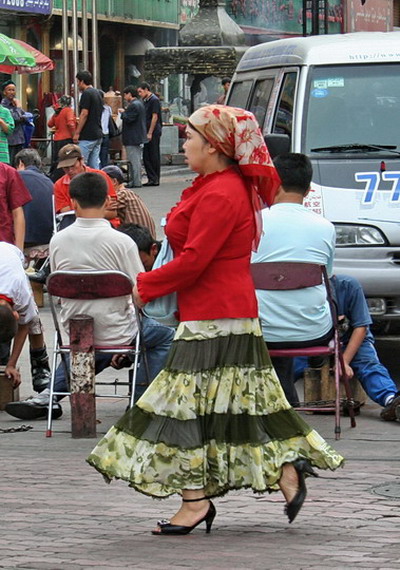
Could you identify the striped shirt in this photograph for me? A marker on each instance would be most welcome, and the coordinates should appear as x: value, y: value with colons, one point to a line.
x: 7, y: 118
x: 132, y: 210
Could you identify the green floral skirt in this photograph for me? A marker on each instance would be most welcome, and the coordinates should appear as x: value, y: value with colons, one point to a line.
x: 215, y: 418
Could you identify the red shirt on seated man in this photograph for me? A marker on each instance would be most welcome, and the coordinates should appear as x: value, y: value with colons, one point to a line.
x: 70, y: 159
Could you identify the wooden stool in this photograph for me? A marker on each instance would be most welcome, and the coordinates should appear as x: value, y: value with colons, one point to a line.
x: 319, y: 385
x: 7, y: 392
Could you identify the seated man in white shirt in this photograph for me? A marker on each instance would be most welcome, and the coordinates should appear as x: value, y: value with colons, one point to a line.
x: 91, y: 243
x: 291, y: 232
x: 17, y: 307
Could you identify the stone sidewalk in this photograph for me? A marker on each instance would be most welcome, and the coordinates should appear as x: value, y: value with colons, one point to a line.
x: 57, y: 513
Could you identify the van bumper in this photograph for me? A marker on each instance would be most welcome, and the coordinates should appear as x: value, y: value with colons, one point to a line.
x: 378, y: 270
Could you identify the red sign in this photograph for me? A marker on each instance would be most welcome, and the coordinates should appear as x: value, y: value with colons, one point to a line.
x: 374, y: 16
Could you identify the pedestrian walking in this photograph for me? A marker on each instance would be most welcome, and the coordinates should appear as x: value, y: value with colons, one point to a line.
x: 134, y: 133
x: 215, y: 418
x: 63, y: 122
x: 106, y: 117
x: 89, y: 134
x: 151, y: 150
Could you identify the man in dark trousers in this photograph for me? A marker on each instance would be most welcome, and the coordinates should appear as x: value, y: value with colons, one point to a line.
x: 134, y: 133
x: 89, y: 134
x: 151, y: 150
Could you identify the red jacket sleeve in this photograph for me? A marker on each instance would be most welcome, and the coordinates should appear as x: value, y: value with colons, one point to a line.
x: 70, y: 120
x: 212, y: 220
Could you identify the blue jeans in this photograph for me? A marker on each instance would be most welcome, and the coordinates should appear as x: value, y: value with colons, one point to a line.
x: 91, y: 152
x: 374, y: 377
x: 157, y: 339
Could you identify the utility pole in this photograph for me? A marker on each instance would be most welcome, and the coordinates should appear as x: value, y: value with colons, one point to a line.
x: 95, y: 46
x: 75, y: 51
x: 65, y: 34
x: 85, y: 36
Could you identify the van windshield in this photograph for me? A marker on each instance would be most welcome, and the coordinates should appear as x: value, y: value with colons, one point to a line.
x: 351, y: 107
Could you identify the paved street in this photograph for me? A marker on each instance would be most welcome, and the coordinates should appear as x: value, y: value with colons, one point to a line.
x: 58, y: 514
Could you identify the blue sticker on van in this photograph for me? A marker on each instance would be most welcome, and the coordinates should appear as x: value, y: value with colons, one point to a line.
x: 319, y: 93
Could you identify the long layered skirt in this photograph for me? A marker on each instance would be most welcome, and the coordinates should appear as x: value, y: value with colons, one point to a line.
x: 215, y: 417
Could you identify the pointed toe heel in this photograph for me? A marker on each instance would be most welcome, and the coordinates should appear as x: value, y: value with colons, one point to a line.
x: 302, y: 467
x: 174, y: 529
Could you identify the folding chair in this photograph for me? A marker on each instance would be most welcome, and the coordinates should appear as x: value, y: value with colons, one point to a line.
x: 284, y: 276
x: 92, y: 285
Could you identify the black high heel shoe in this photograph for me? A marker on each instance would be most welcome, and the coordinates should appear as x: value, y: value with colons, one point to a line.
x: 167, y: 528
x: 302, y: 466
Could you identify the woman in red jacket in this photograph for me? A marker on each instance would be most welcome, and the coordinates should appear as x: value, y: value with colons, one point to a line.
x: 216, y: 417
x: 63, y: 121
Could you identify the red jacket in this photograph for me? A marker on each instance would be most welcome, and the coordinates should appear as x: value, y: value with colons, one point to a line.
x: 64, y: 122
x: 211, y: 232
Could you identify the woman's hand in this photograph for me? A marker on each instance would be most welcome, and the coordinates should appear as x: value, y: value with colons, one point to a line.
x: 137, y: 298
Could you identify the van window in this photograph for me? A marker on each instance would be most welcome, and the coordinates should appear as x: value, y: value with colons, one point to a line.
x: 260, y: 98
x: 284, y: 114
x: 239, y: 94
x: 353, y: 104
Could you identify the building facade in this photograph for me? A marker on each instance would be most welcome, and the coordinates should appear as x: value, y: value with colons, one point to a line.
x: 127, y: 28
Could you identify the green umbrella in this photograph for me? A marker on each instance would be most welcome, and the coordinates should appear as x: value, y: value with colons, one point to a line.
x: 12, y: 53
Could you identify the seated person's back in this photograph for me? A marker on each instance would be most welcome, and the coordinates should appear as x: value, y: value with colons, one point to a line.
x: 293, y: 233
x: 90, y: 243
x: 38, y: 213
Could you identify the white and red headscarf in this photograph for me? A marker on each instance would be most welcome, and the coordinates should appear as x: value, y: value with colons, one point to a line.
x: 235, y: 133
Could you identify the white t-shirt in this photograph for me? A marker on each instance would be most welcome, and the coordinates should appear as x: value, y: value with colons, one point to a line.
x: 294, y: 233
x: 14, y: 282
x: 92, y: 244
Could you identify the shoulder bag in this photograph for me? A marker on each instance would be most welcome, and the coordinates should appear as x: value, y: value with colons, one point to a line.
x: 164, y: 308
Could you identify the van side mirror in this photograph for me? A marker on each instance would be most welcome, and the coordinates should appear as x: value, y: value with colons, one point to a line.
x: 277, y: 144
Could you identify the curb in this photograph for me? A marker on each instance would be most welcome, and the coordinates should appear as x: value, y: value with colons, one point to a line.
x: 165, y: 171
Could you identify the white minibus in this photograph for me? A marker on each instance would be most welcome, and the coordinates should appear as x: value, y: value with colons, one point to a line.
x: 336, y: 98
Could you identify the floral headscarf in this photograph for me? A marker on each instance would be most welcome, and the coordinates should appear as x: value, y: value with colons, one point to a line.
x: 235, y: 133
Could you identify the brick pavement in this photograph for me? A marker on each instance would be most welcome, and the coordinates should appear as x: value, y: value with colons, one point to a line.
x: 58, y: 514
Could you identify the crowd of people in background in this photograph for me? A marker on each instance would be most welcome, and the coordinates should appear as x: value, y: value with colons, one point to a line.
x: 92, y: 123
